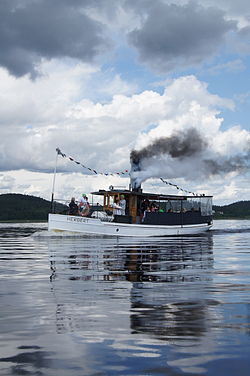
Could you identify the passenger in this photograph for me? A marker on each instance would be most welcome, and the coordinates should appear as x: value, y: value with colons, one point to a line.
x: 82, y: 203
x: 122, y: 204
x: 86, y: 208
x: 117, y: 209
x: 144, y: 205
x: 73, y: 208
x: 153, y: 207
x: 148, y: 210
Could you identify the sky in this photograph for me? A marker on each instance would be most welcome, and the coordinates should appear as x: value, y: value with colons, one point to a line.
x: 100, y: 78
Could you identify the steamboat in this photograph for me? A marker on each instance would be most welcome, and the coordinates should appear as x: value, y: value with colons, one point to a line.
x: 145, y: 215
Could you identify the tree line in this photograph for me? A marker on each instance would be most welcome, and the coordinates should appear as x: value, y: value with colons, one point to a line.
x: 18, y: 207
x: 240, y: 209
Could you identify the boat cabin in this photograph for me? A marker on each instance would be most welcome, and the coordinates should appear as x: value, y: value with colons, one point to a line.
x: 158, y: 209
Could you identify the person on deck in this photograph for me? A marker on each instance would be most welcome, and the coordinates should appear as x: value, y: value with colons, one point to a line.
x: 86, y: 210
x: 122, y: 204
x: 73, y: 208
x: 144, y: 206
x: 85, y: 206
x: 82, y: 203
x: 117, y: 209
x: 147, y: 210
x: 154, y: 207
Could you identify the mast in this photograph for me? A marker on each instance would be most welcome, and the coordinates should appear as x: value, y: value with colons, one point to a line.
x: 54, y: 180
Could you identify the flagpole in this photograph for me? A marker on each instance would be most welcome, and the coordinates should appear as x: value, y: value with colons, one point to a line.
x: 54, y: 180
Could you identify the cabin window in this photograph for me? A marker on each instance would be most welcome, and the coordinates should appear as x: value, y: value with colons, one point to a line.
x: 171, y: 206
x: 201, y: 204
x: 206, y: 206
x: 192, y: 204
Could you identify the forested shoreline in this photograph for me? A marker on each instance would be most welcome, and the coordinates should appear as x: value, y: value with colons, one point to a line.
x: 19, y: 207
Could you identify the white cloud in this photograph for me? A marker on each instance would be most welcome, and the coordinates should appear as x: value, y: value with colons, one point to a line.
x: 66, y: 185
x: 230, y: 67
x: 7, y: 183
x: 115, y: 85
x: 54, y: 111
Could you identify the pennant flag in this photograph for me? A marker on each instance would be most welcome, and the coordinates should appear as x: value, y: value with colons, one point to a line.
x: 88, y: 168
x: 183, y: 190
x: 120, y: 173
x: 60, y: 153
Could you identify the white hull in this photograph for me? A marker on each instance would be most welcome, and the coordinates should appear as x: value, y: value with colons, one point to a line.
x: 94, y: 226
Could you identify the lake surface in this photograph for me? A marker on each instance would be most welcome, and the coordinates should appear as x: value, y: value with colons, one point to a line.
x: 86, y: 306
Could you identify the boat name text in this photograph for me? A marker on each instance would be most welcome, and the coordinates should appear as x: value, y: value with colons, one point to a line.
x: 74, y: 219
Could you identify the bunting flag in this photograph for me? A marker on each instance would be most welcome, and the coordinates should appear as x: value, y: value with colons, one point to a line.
x: 120, y: 173
x: 183, y: 190
x: 91, y: 169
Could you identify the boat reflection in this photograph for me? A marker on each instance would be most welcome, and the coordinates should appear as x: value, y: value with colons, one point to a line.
x: 164, y: 281
x: 169, y: 261
x: 167, y: 296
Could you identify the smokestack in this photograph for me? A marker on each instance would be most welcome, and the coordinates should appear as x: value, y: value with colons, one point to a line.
x: 135, y: 166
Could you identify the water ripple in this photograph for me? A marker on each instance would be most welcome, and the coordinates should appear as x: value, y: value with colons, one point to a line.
x: 117, y: 306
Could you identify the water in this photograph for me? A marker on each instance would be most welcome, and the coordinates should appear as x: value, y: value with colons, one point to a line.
x: 101, y: 306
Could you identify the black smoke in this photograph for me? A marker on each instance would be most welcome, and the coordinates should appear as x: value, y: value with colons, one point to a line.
x: 180, y: 145
x: 185, y: 154
x: 225, y: 165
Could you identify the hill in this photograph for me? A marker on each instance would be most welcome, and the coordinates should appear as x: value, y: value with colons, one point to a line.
x: 240, y: 209
x: 18, y: 207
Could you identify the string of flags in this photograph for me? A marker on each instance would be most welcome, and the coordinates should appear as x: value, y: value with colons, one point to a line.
x: 119, y: 173
x: 91, y: 169
x: 177, y: 187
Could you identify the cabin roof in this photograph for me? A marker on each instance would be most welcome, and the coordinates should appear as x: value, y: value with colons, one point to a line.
x: 150, y: 196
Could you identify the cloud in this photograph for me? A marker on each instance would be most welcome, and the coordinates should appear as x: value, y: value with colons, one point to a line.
x: 179, y: 36
x: 6, y: 183
x: 243, y: 98
x: 237, y: 10
x: 66, y: 184
x: 190, y: 143
x: 38, y: 116
x: 166, y: 36
x: 240, y: 42
x: 193, y: 155
x: 233, y: 66
x: 35, y: 30
x: 100, y: 136
x: 230, y: 190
